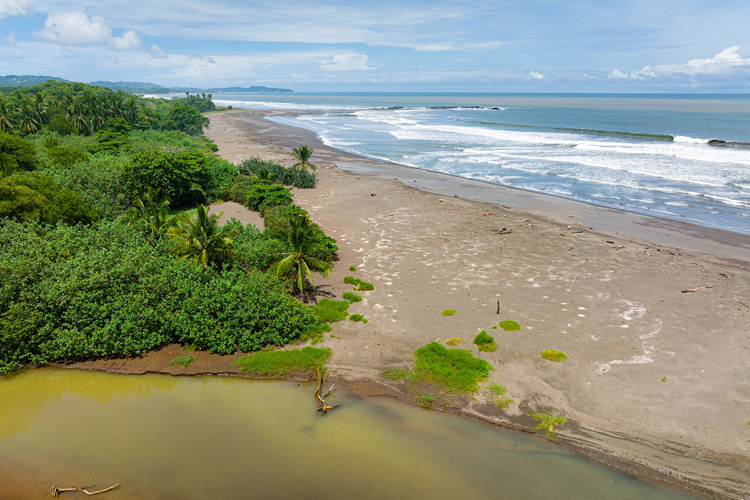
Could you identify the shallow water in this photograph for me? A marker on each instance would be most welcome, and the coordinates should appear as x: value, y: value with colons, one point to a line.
x: 219, y: 437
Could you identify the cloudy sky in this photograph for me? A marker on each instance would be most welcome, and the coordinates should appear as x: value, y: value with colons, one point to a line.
x: 401, y: 45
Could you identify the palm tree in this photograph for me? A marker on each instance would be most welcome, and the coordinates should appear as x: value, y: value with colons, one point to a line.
x: 151, y: 211
x: 29, y: 123
x: 201, y: 238
x: 40, y: 107
x: 78, y: 116
x: 302, y: 244
x: 6, y: 117
x: 303, y: 154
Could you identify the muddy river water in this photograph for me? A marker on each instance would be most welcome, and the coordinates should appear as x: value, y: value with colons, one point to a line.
x: 224, y: 437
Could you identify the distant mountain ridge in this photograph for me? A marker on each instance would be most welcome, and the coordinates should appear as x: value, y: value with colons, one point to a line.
x: 136, y: 87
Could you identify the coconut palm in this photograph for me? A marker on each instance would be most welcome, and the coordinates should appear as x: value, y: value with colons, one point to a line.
x: 40, y: 107
x: 201, y: 237
x: 28, y: 121
x: 78, y: 116
x: 151, y: 211
x: 6, y: 117
x: 302, y: 244
x: 303, y: 154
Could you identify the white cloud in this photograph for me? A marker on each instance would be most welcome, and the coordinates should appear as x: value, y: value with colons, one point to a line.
x: 11, y: 38
x: 15, y: 7
x: 726, y: 61
x: 536, y: 76
x: 75, y: 28
x: 127, y: 41
x: 158, y: 53
x: 349, y: 61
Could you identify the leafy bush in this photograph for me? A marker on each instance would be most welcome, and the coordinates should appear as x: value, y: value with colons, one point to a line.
x: 182, y: 177
x: 352, y: 297
x: 509, y: 325
x: 100, y: 290
x: 186, y: 118
x: 16, y: 154
x: 352, y: 268
x: 66, y: 157
x: 288, y: 176
x: 453, y: 369
x: 303, y: 361
x: 262, y: 195
x: 31, y: 196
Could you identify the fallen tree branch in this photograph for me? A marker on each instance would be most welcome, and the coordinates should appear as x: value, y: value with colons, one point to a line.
x: 322, y: 406
x: 696, y: 289
x: 56, y: 491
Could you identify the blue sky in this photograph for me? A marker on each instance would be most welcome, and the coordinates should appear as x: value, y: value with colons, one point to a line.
x: 493, y: 46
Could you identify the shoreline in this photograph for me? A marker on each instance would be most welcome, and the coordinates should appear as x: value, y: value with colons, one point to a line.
x: 619, y: 319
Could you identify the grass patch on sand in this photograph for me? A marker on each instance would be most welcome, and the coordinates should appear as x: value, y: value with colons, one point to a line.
x: 358, y: 317
x: 281, y: 363
x: 352, y: 268
x: 485, y: 342
x: 448, y: 312
x: 548, y: 422
x: 454, y: 341
x: 352, y: 297
x: 455, y: 370
x: 509, y: 325
x: 554, y: 355
x: 425, y: 400
x: 396, y: 374
x: 359, y: 285
x: 331, y: 311
x: 498, y: 396
x: 315, y: 334
x: 182, y: 361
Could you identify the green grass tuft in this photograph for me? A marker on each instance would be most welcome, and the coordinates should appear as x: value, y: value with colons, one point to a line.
x: 548, y: 422
x: 331, y: 311
x: 281, y: 363
x: 509, y: 325
x: 448, y: 312
x: 664, y: 379
x: 352, y: 297
x: 498, y: 391
x: 182, y: 361
x: 454, y: 341
x: 485, y: 342
x: 554, y: 355
x: 396, y: 374
x: 358, y: 317
x: 352, y: 268
x: 359, y: 285
x: 425, y: 400
x: 315, y: 334
x: 455, y: 370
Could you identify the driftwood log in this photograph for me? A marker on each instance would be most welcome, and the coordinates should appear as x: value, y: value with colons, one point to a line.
x: 322, y: 406
x: 56, y: 491
x: 691, y: 290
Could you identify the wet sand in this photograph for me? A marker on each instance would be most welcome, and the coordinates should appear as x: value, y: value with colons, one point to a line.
x: 656, y: 380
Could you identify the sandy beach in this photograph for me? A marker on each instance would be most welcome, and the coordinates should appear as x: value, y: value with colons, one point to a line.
x: 653, y: 315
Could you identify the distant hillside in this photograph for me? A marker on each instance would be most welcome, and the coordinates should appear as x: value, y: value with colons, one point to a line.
x: 234, y: 90
x: 27, y: 80
x: 133, y: 87
x: 136, y: 87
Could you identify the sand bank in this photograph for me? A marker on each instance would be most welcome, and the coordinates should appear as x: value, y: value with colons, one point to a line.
x: 656, y: 381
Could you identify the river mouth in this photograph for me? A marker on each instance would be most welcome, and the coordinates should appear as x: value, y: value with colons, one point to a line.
x: 225, y: 437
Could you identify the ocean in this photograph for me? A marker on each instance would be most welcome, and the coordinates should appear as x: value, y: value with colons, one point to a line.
x: 681, y: 157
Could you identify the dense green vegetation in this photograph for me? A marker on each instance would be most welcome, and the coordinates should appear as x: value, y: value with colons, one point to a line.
x: 94, y: 262
x: 281, y: 363
x: 455, y: 370
x: 485, y: 342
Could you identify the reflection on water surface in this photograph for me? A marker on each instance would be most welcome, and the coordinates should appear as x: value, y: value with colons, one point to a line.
x: 219, y: 437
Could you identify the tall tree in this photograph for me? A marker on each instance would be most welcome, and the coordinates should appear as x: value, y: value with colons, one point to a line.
x: 303, y: 154
x: 7, y: 117
x: 201, y: 237
x: 302, y: 244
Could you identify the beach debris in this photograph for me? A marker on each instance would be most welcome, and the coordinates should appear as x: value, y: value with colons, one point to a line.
x: 498, y: 306
x: 56, y: 491
x: 610, y: 242
x: 373, y: 194
x: 322, y: 406
x: 692, y: 290
x: 504, y: 230
x: 576, y: 232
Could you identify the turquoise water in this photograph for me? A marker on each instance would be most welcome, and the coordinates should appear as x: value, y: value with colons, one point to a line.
x: 681, y: 157
x: 219, y: 437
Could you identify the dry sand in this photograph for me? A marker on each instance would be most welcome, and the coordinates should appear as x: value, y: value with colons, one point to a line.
x: 656, y: 381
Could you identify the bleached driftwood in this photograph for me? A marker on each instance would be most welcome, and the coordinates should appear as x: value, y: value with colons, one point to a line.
x: 56, y: 491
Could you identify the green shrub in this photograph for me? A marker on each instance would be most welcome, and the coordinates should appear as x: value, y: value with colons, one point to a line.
x: 31, y: 196
x: 509, y: 325
x: 288, y: 176
x: 554, y: 355
x: 358, y: 317
x: 267, y: 195
x: 66, y: 157
x: 448, y: 312
x: 352, y: 268
x: 331, y: 311
x: 359, y: 285
x: 303, y: 361
x: 182, y: 361
x: 425, y: 399
x: 485, y: 342
x: 182, y: 177
x: 352, y: 297
x: 548, y: 422
x: 453, y: 369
